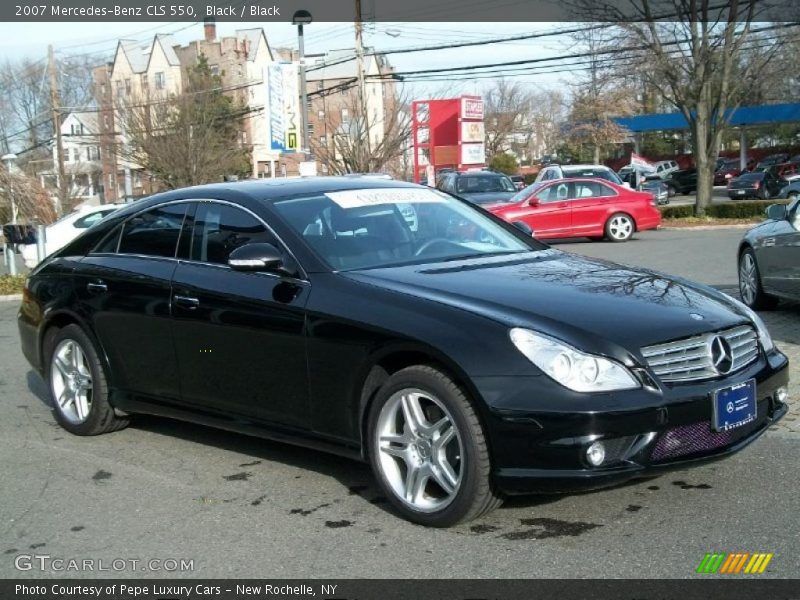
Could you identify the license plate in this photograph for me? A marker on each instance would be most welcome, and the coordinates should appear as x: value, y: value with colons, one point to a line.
x: 740, y: 192
x: 735, y: 406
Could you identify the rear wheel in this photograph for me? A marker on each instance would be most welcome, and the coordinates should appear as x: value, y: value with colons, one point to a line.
x: 428, y: 450
x: 620, y: 227
x: 78, y: 384
x: 750, y: 289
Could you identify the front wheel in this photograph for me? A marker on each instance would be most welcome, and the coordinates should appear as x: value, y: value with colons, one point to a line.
x: 428, y: 449
x: 620, y: 227
x: 750, y: 289
x: 78, y: 384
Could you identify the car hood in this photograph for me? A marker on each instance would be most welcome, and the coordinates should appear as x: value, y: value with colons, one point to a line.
x: 572, y: 297
x: 487, y: 197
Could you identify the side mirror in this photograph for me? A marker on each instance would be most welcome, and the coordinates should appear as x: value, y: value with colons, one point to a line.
x: 523, y: 227
x: 776, y: 212
x: 255, y: 257
x: 532, y: 201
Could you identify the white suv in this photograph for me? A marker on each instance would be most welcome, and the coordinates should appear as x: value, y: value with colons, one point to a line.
x: 66, y: 229
x: 564, y: 171
x: 664, y: 168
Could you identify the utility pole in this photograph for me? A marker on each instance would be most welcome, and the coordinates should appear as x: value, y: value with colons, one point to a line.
x: 362, y: 110
x: 55, y: 102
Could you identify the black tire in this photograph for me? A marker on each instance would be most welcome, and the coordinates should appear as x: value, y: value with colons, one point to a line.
x: 671, y: 190
x: 763, y: 194
x: 620, y: 227
x: 753, y: 294
x: 101, y: 416
x: 475, y: 495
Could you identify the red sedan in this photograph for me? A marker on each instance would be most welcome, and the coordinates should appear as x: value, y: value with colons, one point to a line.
x: 593, y: 208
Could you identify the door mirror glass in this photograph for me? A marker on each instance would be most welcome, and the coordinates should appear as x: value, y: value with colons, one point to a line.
x: 776, y: 212
x: 256, y: 257
x: 523, y: 227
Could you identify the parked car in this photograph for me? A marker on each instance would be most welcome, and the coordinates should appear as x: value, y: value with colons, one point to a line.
x: 518, y: 181
x: 479, y: 187
x: 593, y: 208
x: 758, y: 184
x: 788, y: 171
x: 790, y: 191
x: 66, y: 229
x: 563, y: 171
x: 772, y: 159
x: 664, y: 168
x: 682, y: 182
x: 769, y: 258
x: 633, y: 174
x: 463, y: 359
x: 657, y: 187
x: 727, y: 169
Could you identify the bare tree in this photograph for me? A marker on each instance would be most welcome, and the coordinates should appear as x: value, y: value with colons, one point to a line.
x: 351, y: 138
x: 190, y: 139
x: 547, y: 115
x: 31, y: 202
x: 507, y: 111
x: 694, y: 53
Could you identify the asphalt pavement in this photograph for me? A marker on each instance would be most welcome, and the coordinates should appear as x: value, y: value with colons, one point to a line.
x: 243, y: 507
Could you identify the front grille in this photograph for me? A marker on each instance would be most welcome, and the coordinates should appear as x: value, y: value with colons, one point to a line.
x: 690, y: 359
x: 697, y: 438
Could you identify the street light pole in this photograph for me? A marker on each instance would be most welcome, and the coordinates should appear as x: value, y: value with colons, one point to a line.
x: 300, y: 18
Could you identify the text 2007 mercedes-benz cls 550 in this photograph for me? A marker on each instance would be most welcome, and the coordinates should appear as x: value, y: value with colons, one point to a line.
x: 397, y: 325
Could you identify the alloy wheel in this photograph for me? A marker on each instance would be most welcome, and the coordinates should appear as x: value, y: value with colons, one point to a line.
x: 748, y: 279
x: 620, y: 227
x: 71, y: 382
x: 419, y: 448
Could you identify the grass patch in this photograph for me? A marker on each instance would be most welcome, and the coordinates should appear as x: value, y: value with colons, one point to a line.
x: 11, y: 284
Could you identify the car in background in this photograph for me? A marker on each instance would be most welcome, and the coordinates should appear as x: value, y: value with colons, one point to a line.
x: 664, y: 168
x: 479, y: 187
x: 632, y: 174
x: 772, y: 159
x: 769, y: 258
x: 788, y: 171
x: 581, y: 207
x: 66, y: 229
x: 790, y: 191
x: 554, y: 172
x: 727, y: 169
x: 682, y: 182
x: 657, y: 187
x: 518, y: 181
x: 758, y: 184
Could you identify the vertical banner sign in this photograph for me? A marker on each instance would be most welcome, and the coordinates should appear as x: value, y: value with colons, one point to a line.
x: 472, y: 107
x: 291, y: 106
x: 274, y: 107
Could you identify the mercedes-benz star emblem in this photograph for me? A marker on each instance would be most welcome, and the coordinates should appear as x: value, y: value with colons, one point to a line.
x: 729, y: 407
x: 721, y: 354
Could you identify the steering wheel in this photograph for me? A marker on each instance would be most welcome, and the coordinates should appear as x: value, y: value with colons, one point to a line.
x: 430, y: 243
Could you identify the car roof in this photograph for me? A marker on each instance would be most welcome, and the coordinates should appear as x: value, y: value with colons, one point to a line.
x: 585, y: 167
x: 268, y: 189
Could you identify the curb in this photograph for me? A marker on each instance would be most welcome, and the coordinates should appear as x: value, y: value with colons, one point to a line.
x: 708, y: 227
x: 11, y: 298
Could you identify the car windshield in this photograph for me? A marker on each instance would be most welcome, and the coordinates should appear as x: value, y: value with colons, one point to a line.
x: 370, y: 228
x: 478, y: 184
x: 526, y: 192
x: 606, y: 174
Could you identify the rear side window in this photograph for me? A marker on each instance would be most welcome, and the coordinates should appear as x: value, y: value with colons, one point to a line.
x: 153, y: 232
x: 221, y: 228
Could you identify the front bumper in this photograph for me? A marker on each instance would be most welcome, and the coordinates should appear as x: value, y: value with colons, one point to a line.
x: 645, y: 432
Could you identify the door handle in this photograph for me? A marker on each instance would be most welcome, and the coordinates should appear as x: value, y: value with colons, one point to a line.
x: 186, y: 302
x: 96, y: 288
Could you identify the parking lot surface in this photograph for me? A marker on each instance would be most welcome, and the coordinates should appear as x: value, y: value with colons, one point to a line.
x: 244, y: 507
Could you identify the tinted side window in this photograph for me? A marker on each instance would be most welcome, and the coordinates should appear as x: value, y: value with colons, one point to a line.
x: 154, y: 232
x: 220, y: 229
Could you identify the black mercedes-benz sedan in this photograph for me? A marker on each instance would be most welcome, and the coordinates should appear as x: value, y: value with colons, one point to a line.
x: 769, y: 258
x: 398, y: 325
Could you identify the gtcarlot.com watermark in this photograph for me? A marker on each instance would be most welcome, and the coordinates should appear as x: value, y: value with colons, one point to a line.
x: 62, y: 564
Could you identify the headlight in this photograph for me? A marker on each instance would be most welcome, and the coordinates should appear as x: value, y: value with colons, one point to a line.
x: 763, y: 332
x: 570, y: 367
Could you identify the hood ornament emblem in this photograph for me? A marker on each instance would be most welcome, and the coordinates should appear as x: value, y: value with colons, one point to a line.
x: 696, y: 316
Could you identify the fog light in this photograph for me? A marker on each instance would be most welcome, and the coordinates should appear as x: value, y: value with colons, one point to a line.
x: 782, y: 394
x: 596, y: 454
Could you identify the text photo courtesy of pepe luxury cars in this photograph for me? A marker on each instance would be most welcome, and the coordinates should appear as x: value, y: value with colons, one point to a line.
x: 306, y: 298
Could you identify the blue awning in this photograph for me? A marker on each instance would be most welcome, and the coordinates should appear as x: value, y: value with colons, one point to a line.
x: 744, y: 115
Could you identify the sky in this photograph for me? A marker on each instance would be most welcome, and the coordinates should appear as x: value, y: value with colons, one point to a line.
x: 30, y: 40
